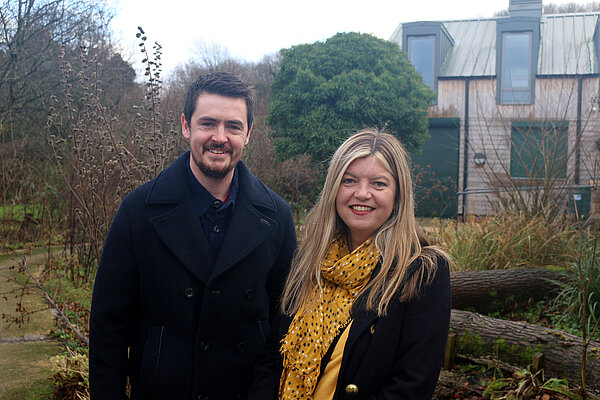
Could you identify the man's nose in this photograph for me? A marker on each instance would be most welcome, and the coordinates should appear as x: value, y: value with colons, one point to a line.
x: 219, y: 134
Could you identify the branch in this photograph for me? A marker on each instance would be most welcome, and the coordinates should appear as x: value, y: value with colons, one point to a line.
x: 491, y: 362
x: 54, y: 306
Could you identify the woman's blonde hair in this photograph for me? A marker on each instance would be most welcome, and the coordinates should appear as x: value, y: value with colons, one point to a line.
x: 399, y: 239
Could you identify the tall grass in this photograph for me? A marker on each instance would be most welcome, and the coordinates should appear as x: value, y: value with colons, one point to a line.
x: 578, y: 304
x: 507, y: 241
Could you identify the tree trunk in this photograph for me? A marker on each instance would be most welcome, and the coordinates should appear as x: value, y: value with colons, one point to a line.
x: 517, y: 342
x: 484, y: 291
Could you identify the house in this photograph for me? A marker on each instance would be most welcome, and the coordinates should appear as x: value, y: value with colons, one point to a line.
x: 516, y: 119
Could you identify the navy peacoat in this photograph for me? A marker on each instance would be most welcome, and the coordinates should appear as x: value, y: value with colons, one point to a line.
x: 394, y: 357
x: 157, y: 320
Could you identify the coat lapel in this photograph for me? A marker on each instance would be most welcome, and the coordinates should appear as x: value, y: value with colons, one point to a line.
x: 179, y: 226
x: 181, y: 231
x: 246, y: 231
x: 362, y: 320
x: 248, y: 226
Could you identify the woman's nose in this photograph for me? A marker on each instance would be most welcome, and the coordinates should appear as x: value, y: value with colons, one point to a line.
x: 362, y: 192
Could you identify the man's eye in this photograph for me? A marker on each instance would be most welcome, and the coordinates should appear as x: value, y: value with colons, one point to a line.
x: 234, y: 127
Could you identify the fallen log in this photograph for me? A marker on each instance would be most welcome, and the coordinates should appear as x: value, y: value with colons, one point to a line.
x: 486, y: 291
x: 517, y: 342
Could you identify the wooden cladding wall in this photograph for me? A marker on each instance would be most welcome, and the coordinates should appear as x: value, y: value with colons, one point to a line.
x: 489, y: 131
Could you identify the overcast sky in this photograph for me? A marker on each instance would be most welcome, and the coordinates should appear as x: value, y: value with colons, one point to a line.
x: 250, y: 29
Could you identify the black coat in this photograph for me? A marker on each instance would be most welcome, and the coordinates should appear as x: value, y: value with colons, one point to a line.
x: 397, y: 357
x: 155, y: 319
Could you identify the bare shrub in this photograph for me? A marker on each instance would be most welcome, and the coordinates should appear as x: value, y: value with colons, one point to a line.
x: 101, y: 161
x: 295, y: 179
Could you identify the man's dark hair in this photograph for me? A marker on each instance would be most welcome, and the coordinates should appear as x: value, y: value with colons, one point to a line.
x: 221, y: 83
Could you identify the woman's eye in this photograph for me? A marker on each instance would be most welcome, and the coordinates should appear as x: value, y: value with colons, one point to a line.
x: 379, y: 184
x: 347, y: 180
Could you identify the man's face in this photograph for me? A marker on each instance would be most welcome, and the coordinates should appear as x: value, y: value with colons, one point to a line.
x: 218, y: 132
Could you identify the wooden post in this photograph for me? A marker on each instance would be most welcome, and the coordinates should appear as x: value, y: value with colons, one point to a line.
x: 449, y: 355
x: 537, y: 362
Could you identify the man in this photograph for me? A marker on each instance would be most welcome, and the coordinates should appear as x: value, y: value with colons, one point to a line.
x: 193, y: 264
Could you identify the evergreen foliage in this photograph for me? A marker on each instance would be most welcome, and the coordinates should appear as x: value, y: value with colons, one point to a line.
x: 325, y: 91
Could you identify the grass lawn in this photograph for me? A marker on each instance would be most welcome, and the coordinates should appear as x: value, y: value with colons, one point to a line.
x: 26, y: 370
x: 40, y: 323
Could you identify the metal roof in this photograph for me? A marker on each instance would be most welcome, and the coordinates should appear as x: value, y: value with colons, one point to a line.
x: 566, y: 46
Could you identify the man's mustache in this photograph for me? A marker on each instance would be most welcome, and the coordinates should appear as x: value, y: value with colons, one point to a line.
x: 217, y: 146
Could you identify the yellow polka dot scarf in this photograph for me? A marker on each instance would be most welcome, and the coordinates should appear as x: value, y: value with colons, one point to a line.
x: 311, y: 332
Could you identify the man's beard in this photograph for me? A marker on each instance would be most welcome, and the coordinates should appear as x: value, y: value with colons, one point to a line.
x: 217, y: 173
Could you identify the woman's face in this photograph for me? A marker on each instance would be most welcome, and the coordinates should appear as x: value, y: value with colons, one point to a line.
x: 365, y: 198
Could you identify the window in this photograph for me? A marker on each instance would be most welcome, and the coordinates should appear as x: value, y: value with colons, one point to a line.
x: 538, y: 150
x: 427, y: 44
x: 517, y: 48
x: 516, y: 74
x: 420, y: 53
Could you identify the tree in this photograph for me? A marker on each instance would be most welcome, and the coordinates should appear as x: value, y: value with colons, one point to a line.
x: 211, y: 57
x: 488, y: 290
x: 34, y: 34
x: 31, y: 35
x: 326, y: 90
x: 565, y: 8
x: 207, y: 57
x: 516, y: 342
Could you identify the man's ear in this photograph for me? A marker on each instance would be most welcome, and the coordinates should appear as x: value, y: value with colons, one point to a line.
x: 248, y: 134
x: 185, y: 128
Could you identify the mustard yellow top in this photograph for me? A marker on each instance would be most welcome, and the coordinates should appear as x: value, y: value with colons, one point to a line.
x: 326, y: 386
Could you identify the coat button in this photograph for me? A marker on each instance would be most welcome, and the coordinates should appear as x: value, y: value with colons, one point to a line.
x: 240, y: 347
x: 373, y: 329
x: 204, y: 346
x: 189, y: 293
x: 217, y: 228
x: 216, y: 292
x: 248, y: 295
x: 217, y: 204
x: 352, y: 390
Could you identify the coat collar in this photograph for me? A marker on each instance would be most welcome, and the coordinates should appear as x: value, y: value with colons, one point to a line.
x: 171, y: 185
x: 180, y: 229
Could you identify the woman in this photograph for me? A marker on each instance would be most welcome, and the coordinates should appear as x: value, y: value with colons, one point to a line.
x: 370, y: 299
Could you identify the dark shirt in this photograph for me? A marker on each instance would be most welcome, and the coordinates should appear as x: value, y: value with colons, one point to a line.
x: 214, y: 214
